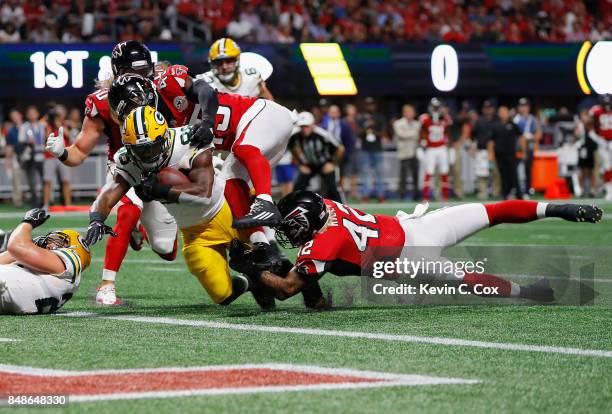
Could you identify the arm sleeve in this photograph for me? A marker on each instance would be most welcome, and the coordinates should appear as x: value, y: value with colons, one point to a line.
x: 206, y: 96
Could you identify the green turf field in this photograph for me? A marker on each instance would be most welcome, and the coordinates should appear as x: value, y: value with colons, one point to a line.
x: 526, y: 358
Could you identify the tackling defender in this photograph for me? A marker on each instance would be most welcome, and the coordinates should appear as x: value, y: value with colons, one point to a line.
x: 333, y: 237
x: 40, y: 275
x: 99, y: 121
x: 198, y: 205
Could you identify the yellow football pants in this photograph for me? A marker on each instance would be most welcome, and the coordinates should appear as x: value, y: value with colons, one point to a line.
x: 205, y: 252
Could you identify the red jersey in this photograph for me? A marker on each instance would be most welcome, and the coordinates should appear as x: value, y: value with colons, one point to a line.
x: 232, y: 107
x: 436, y: 132
x: 352, y: 235
x: 96, y: 106
x: 603, y: 122
x: 170, y: 84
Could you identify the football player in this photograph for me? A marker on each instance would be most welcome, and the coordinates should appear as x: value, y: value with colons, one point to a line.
x: 40, y: 275
x: 99, y: 121
x: 334, y: 238
x: 602, y: 134
x: 435, y: 126
x: 199, y: 207
x: 242, y: 126
x: 227, y: 75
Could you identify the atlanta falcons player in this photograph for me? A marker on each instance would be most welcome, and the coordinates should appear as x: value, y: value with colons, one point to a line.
x: 435, y: 135
x: 242, y: 126
x: 333, y: 237
x: 130, y: 56
x: 602, y: 134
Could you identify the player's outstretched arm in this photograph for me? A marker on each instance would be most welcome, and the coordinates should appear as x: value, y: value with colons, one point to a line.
x: 85, y: 142
x: 25, y: 252
x: 202, y: 176
x: 101, y: 208
x: 283, y: 288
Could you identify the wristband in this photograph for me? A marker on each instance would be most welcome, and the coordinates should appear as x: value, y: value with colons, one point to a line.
x: 95, y: 216
x: 64, y: 155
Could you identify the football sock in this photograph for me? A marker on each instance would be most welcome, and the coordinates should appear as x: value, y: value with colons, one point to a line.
x: 238, y: 196
x: 426, y: 181
x: 505, y: 288
x: 116, y: 247
x: 444, y: 183
x: 257, y: 166
x: 515, y: 211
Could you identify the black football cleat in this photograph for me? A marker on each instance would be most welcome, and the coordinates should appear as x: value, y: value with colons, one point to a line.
x: 266, y: 257
x: 539, y: 291
x: 575, y: 212
x: 262, y: 213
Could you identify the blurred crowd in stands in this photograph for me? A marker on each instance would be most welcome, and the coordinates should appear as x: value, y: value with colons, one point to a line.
x: 490, y: 150
x: 514, y: 21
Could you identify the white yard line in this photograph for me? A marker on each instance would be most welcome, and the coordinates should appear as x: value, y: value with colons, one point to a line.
x: 9, y: 340
x: 352, y: 334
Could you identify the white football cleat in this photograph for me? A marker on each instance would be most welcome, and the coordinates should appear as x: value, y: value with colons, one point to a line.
x: 106, y: 296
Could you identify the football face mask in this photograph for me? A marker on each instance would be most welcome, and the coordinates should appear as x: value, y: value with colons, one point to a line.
x: 146, y: 138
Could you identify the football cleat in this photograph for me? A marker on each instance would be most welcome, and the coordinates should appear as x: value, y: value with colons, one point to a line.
x: 262, y: 213
x: 106, y: 296
x: 138, y: 237
x: 539, y: 291
x: 575, y: 212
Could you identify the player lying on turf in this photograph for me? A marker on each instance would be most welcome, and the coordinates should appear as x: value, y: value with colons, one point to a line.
x: 333, y: 237
x: 195, y: 199
x: 40, y: 275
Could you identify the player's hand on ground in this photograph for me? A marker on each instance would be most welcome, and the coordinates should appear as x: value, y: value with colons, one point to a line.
x: 55, y: 143
x: 36, y: 217
x: 97, y: 230
x: 241, y: 259
x: 202, y: 134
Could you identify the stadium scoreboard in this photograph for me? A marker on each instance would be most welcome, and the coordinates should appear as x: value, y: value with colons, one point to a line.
x: 55, y: 70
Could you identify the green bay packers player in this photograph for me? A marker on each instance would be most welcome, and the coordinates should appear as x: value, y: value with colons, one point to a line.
x: 198, y: 207
x: 227, y: 75
x: 40, y: 275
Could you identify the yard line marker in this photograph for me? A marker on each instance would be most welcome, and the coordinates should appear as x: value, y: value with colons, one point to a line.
x: 351, y: 334
x: 9, y: 340
x: 202, y: 380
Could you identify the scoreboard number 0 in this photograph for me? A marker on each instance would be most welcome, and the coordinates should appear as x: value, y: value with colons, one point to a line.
x: 444, y: 68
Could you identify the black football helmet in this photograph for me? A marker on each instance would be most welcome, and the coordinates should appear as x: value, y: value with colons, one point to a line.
x: 132, y: 57
x: 130, y: 91
x: 304, y: 213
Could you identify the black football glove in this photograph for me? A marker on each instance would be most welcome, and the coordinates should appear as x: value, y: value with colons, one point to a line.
x: 202, y: 134
x: 36, y: 217
x: 97, y: 229
x: 150, y: 189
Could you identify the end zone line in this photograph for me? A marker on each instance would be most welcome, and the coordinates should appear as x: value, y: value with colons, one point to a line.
x: 350, y: 334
